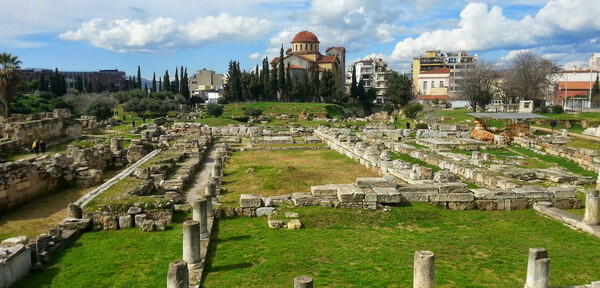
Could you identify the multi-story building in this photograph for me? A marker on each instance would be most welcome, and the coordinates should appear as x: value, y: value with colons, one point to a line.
x: 456, y: 62
x: 374, y: 73
x: 205, y: 80
x: 97, y: 81
x: 594, y: 62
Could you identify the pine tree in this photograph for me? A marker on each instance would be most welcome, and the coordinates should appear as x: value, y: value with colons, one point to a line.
x: 281, y: 75
x: 176, y: 82
x: 153, y: 88
x: 167, y: 82
x: 139, y: 78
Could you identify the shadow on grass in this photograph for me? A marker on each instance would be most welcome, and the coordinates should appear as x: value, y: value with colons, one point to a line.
x: 242, y: 265
x: 235, y: 238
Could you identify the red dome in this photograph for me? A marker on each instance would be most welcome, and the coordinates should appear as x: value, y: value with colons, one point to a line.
x: 304, y: 37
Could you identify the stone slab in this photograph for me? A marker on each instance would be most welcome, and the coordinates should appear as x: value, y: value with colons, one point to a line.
x: 419, y: 188
x: 250, y: 201
x: 387, y: 195
x: 264, y: 211
x: 563, y: 191
x: 453, y: 187
x: 324, y: 191
x: 452, y: 197
x: 350, y: 193
x: 370, y: 182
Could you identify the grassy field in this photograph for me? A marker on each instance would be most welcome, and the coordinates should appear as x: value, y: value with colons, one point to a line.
x: 42, y: 214
x: 286, y: 172
x: 292, y: 109
x: 556, y: 161
x: 121, y: 258
x: 353, y: 248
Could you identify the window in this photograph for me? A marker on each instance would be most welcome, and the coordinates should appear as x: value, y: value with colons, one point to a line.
x: 432, y: 84
x: 424, y: 85
x: 441, y: 84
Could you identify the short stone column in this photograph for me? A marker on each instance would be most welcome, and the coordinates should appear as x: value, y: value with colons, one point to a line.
x: 116, y: 144
x: 74, y: 211
x: 538, y: 268
x: 178, y: 275
x: 209, y: 210
x: 303, y: 282
x: 591, y: 208
x: 424, y: 270
x: 200, y: 215
x: 216, y: 171
x: 218, y: 160
x: 191, y: 244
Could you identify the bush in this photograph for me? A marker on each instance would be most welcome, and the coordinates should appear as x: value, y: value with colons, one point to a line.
x: 59, y: 103
x: 421, y: 126
x: 222, y: 101
x: 543, y: 109
x: 214, y: 110
x: 241, y: 118
x: 411, y: 110
x: 388, y: 107
x: 100, y: 109
x: 255, y: 112
x: 557, y: 109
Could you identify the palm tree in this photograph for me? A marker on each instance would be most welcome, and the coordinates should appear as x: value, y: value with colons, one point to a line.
x: 10, y: 73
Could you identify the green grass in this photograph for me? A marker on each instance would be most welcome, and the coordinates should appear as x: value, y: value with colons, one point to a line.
x: 122, y: 258
x: 286, y: 172
x: 218, y: 122
x: 292, y: 109
x: 580, y: 143
x: 408, y: 158
x: 571, y: 166
x: 353, y: 248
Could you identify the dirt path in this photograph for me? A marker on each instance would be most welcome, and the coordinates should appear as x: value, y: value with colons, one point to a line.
x: 44, y: 213
x: 577, y: 135
x: 202, y: 177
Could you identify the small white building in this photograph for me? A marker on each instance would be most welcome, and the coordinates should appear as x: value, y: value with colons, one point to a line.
x: 434, y: 82
x: 213, y: 97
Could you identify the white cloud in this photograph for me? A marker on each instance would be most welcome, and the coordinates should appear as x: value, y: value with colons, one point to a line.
x: 482, y: 28
x: 254, y: 55
x: 163, y: 34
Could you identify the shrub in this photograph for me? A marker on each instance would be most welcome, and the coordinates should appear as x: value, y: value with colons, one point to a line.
x: 388, y: 107
x: 543, y: 109
x: 411, y: 110
x: 251, y: 111
x: 557, y: 109
x: 214, y: 110
x: 421, y: 126
x: 241, y: 118
x: 100, y: 109
x: 222, y: 101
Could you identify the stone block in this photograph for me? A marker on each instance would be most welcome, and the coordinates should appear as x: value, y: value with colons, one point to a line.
x: 462, y: 206
x: 275, y: 223
x: 294, y: 224
x: 291, y: 215
x: 453, y: 187
x: 160, y: 225
x: 488, y: 205
x: 139, y: 219
x: 148, y: 226
x: 302, y: 199
x: 250, y: 201
x: 387, y: 195
x: 563, y: 191
x: 350, y: 193
x: 370, y: 195
x: 370, y: 182
x: 414, y: 197
x: 75, y: 224
x: 419, y: 188
x: 276, y: 200
x: 483, y: 193
x: 125, y: 222
x: 324, y: 191
x: 14, y: 241
x: 452, y: 197
x: 134, y: 210
x: 264, y: 211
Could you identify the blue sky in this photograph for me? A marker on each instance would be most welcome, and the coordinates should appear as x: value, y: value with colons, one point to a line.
x: 75, y: 35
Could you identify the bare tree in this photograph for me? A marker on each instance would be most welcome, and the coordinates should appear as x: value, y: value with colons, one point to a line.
x: 479, y: 84
x: 530, y: 77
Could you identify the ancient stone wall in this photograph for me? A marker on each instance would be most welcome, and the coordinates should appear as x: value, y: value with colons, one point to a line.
x: 44, y: 126
x: 586, y: 158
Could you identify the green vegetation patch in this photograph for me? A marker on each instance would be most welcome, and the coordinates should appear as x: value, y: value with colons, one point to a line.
x: 118, y: 258
x: 270, y: 173
x: 571, y: 166
x: 355, y: 248
x: 408, y: 158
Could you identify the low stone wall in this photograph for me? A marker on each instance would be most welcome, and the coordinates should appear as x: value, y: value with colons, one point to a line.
x: 15, y: 263
x: 513, y: 193
x: 586, y: 158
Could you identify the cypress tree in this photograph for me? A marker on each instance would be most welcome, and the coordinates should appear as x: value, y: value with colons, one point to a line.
x: 353, y: 88
x: 160, y: 88
x: 281, y: 74
x: 185, y: 89
x: 288, y: 83
x: 167, y: 82
x: 153, y: 88
x: 43, y: 84
x: 139, y: 78
x: 273, y: 85
x: 176, y: 82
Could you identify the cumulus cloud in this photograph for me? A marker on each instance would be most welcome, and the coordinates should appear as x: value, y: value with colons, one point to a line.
x: 254, y: 55
x: 482, y: 28
x: 162, y: 34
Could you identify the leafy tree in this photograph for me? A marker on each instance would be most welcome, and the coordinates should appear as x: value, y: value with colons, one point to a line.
x: 411, y: 110
x: 529, y: 78
x: 400, y: 89
x: 58, y: 84
x: 214, y: 110
x: 388, y: 108
x: 100, y: 109
x: 59, y: 103
x: 478, y: 84
x: 10, y: 74
x: 596, y: 93
x: 135, y: 105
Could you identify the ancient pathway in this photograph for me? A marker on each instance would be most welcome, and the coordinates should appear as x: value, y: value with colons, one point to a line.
x: 202, y: 177
x: 577, y: 135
